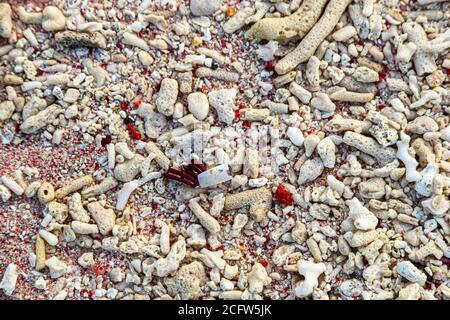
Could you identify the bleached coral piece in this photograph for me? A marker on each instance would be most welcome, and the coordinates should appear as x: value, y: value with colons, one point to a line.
x: 84, y: 228
x: 295, y: 135
x: 107, y: 184
x: 7, y: 109
x: 40, y: 120
x: 424, y: 186
x: 253, y: 114
x: 76, y: 210
x: 284, y: 29
x: 133, y: 40
x: 366, y: 75
x: 259, y: 200
x: 437, y: 205
x: 221, y: 75
x: 223, y: 101
x: 81, y: 39
x: 12, y: 185
x: 381, y: 130
x: 188, y: 282
x: 73, y: 186
x: 57, y: 268
x: 323, y: 103
x: 300, y: 92
x: 261, y: 9
x: 160, y: 157
x: 363, y: 238
x: 314, y: 38
x: 350, y: 96
x: 206, y: 220
x: 28, y: 17
x: 196, y: 234
x: 123, y: 149
x: 405, y: 52
x: 327, y: 152
x: 9, y: 280
x: 167, y: 96
x: 429, y: 249
x: 335, y: 184
x: 344, y: 33
x: 164, y: 238
x: 128, y: 170
x: 169, y: 264
x: 105, y: 218
x: 361, y: 217
x: 257, y: 278
x: 53, y: 19
x: 310, y: 144
x: 5, y: 194
x: 409, y: 271
x: 310, y: 170
x: 424, y: 60
x: 311, y: 271
x: 410, y: 162
x: 129, y: 187
x: 237, y: 21
x: 370, y: 146
x: 251, y: 163
x: 49, y: 237
x: 426, y: 96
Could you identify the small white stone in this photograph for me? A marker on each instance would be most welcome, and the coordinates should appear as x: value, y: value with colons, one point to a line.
x: 49, y: 237
x: 40, y: 283
x: 9, y: 280
x: 198, y: 105
x: 56, y: 267
x: 295, y: 135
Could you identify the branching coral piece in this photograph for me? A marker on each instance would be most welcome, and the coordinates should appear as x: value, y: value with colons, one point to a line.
x: 288, y: 28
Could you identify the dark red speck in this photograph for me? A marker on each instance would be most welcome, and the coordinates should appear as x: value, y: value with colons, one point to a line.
x: 106, y: 140
x: 269, y: 66
x: 245, y: 124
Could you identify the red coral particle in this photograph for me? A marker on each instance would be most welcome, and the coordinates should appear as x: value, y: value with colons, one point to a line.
x: 99, y: 269
x: 134, y: 134
x: 445, y: 260
x: 264, y: 263
x: 269, y: 66
x: 283, y: 196
x: 382, y: 75
x: 137, y: 104
x: 124, y: 105
x: 39, y: 72
x: 245, y: 124
x: 380, y: 106
x: 106, y: 140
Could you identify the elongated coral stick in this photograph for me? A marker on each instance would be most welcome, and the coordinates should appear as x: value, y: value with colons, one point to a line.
x: 314, y: 38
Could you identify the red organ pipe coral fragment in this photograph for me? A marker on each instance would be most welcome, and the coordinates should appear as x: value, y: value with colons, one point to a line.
x: 187, y: 175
